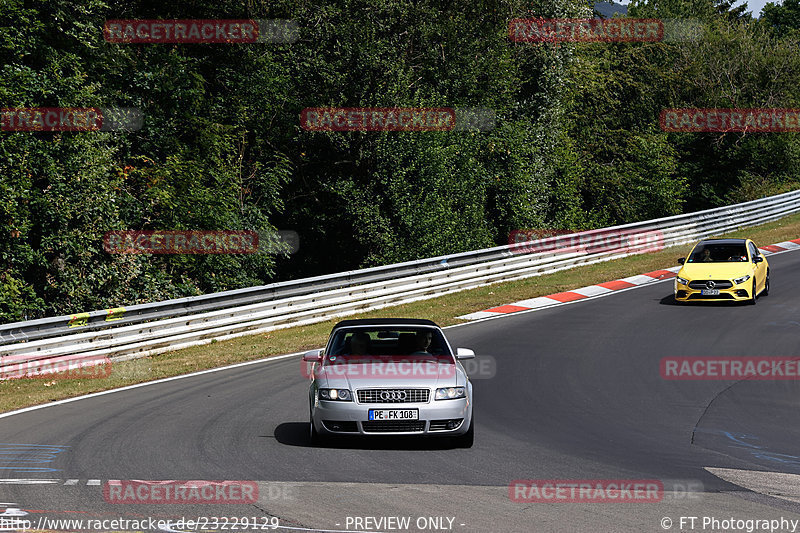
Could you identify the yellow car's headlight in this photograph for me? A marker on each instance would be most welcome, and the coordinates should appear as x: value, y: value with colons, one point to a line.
x: 681, y: 280
x: 742, y: 279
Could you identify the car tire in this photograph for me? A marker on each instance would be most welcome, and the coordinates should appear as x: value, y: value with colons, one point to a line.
x: 314, y: 437
x: 752, y: 300
x: 765, y: 292
x: 467, y: 439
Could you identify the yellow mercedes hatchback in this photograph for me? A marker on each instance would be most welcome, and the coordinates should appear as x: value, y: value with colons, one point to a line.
x: 723, y: 269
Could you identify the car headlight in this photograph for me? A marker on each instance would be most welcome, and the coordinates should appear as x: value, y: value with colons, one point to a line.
x: 342, y: 395
x: 450, y: 393
x: 681, y: 281
x: 742, y: 279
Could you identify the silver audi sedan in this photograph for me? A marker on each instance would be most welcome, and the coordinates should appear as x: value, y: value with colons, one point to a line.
x: 395, y: 376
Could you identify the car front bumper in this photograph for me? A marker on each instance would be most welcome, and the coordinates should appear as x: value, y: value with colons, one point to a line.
x: 742, y: 292
x: 436, y: 418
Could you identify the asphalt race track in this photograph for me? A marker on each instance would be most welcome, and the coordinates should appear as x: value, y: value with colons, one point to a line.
x: 577, y: 395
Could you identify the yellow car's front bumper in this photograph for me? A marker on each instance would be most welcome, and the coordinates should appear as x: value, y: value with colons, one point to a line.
x: 734, y: 293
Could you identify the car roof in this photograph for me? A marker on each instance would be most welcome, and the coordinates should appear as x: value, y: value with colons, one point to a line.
x: 723, y: 241
x: 385, y: 322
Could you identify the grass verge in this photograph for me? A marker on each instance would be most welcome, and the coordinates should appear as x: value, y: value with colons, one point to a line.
x: 19, y: 393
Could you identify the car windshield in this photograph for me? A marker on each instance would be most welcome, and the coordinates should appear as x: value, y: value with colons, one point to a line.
x: 719, y: 253
x: 406, y: 341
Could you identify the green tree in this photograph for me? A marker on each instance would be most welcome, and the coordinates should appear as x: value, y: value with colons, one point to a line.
x: 783, y: 19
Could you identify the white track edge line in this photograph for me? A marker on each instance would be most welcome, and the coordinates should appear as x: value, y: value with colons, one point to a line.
x: 284, y: 356
x: 655, y: 280
x: 559, y: 304
x: 146, y: 383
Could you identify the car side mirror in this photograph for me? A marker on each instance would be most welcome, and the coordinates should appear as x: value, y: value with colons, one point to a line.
x: 681, y: 260
x: 314, y: 356
x: 758, y: 259
x: 464, y: 353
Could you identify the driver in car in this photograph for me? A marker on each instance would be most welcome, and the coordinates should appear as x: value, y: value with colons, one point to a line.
x: 359, y: 344
x: 423, y: 339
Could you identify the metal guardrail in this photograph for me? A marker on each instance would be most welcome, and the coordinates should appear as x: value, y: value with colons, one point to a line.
x: 148, y: 329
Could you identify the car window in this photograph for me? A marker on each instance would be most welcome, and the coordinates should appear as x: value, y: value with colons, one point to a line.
x: 380, y: 341
x: 718, y: 253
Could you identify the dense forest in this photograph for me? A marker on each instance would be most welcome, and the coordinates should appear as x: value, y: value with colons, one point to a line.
x: 576, y: 141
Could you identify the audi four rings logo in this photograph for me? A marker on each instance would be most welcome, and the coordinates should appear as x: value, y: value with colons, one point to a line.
x: 710, y: 284
x: 393, y: 395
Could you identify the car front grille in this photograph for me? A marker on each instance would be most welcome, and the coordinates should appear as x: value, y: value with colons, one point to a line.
x: 394, y: 426
x: 393, y: 395
x: 718, y: 284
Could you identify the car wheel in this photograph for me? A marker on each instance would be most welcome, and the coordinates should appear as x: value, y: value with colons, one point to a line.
x: 752, y: 300
x: 765, y: 292
x: 467, y: 439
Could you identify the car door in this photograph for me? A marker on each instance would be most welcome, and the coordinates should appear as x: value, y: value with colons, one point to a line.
x: 760, y: 268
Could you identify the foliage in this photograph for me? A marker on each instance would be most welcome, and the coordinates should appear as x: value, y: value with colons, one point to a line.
x: 576, y: 142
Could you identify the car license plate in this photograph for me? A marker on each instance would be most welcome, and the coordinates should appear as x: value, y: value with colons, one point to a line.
x: 710, y: 292
x: 394, y: 414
